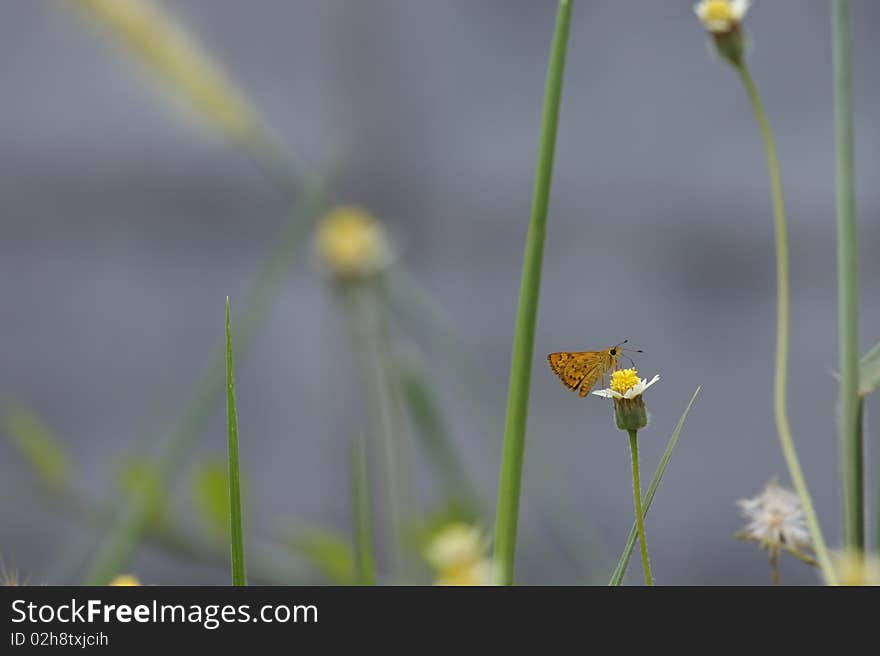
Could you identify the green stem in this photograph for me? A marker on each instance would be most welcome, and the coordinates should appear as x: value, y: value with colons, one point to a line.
x: 365, y: 567
x: 236, y: 532
x: 637, y: 497
x: 780, y: 382
x: 524, y: 338
x: 623, y: 562
x: 847, y: 284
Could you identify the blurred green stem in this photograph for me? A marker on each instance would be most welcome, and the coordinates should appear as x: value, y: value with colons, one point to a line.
x: 365, y: 567
x: 637, y: 497
x: 782, y: 286
x: 236, y: 532
x: 524, y: 338
x: 847, y: 285
x: 371, y: 344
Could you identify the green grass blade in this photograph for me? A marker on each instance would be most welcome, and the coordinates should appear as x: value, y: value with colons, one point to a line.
x: 236, y: 533
x: 365, y: 562
x: 623, y: 563
x: 851, y: 447
x: 507, y: 516
x: 120, y: 544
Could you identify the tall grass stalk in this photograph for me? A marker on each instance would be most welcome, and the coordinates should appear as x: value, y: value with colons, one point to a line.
x: 362, y: 520
x: 236, y: 532
x: 782, y: 322
x: 851, y: 446
x: 122, y: 540
x: 524, y: 337
x: 620, y: 570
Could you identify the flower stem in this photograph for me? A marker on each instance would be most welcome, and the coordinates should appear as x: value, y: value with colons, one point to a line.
x: 637, y: 496
x: 847, y: 285
x: 779, y: 387
x: 524, y: 339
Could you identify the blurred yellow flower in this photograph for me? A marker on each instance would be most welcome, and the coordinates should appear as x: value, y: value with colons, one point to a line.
x: 153, y: 38
x: 125, y: 580
x: 856, y: 568
x: 458, y: 554
x: 350, y: 243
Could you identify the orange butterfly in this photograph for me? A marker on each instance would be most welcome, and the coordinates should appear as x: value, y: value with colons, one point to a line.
x: 580, y: 370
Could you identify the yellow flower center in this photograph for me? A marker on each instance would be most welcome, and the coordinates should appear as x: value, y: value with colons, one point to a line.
x: 351, y: 242
x: 623, y: 380
x: 718, y: 10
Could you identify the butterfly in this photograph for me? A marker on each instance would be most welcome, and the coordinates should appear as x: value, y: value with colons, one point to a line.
x: 580, y: 370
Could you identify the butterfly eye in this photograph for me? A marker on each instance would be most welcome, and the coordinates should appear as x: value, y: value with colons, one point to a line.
x: 613, y: 351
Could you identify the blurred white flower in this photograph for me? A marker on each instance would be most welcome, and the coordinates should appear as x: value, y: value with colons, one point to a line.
x: 776, y: 520
x: 458, y: 553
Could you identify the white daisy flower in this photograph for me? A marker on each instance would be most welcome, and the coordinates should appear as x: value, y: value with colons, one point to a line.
x: 719, y: 16
x: 625, y: 384
x: 776, y: 520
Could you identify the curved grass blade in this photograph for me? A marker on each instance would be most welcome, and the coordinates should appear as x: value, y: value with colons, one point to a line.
x: 620, y: 570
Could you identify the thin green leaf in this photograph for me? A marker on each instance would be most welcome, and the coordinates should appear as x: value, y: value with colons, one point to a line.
x: 38, y: 446
x: 620, y: 570
x: 239, y: 575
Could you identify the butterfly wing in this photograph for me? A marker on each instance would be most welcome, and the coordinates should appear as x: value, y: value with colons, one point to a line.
x: 577, y: 369
x: 580, y: 370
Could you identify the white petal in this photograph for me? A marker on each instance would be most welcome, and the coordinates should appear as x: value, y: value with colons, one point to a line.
x: 739, y: 8
x: 653, y: 380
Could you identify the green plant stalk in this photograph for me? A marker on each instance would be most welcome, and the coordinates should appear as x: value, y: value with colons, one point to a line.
x: 524, y: 338
x: 620, y: 570
x: 236, y: 532
x: 120, y: 544
x: 847, y: 284
x: 782, y: 312
x: 637, y: 499
x: 365, y: 316
x: 365, y: 562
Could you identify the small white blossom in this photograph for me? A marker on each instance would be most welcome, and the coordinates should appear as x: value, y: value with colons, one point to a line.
x: 776, y: 519
x: 721, y: 15
x: 631, y: 393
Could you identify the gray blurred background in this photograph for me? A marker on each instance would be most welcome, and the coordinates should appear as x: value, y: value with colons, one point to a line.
x: 122, y: 231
